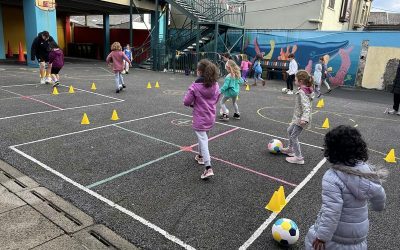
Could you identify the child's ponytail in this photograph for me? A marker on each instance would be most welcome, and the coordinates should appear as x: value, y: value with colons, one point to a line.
x: 209, y: 72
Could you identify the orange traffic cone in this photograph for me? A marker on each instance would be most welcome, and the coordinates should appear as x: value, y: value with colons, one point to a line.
x: 21, y: 57
x: 9, y: 51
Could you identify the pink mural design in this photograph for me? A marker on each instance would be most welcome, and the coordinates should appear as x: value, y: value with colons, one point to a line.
x: 338, y: 79
x: 309, y: 66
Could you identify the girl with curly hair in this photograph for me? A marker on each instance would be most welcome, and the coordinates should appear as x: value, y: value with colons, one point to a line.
x: 117, y: 57
x: 231, y: 89
x: 203, y: 96
x: 348, y: 185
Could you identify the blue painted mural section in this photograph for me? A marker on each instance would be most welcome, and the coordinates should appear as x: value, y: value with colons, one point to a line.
x: 37, y: 20
x: 341, y: 49
x: 2, y: 48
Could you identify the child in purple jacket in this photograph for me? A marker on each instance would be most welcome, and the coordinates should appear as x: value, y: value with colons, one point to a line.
x: 56, y: 59
x: 203, y: 97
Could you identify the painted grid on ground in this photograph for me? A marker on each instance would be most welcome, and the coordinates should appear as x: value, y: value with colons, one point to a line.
x: 35, y: 98
x: 87, y: 189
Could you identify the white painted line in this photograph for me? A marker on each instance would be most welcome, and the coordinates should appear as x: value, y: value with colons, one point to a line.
x: 254, y: 131
x: 58, y: 110
x: 272, y: 217
x: 108, y: 202
x: 90, y: 129
x: 18, y: 97
x: 94, y: 93
x: 20, y: 85
x: 106, y: 70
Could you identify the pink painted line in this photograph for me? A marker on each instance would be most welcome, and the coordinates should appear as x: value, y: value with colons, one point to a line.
x: 255, y: 172
x: 214, y: 137
x: 45, y: 103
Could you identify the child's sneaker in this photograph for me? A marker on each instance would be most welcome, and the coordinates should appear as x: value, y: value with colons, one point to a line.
x: 295, y: 160
x: 42, y: 81
x: 290, y: 92
x: 199, y: 159
x: 263, y: 82
x: 236, y: 116
x: 392, y: 112
x: 224, y: 117
x: 287, y: 151
x: 56, y: 83
x: 123, y: 85
x: 48, y: 80
x: 207, y: 174
x: 117, y: 91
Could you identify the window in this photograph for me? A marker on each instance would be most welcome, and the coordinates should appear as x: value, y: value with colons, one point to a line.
x: 331, y: 4
x: 345, y: 12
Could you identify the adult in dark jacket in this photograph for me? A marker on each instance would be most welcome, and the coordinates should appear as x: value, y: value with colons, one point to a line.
x: 40, y: 50
x: 396, y: 93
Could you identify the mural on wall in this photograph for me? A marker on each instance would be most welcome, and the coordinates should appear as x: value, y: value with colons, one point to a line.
x: 342, y: 50
x: 307, y: 53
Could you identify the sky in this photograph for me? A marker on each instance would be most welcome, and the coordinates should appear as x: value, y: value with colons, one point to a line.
x: 392, y: 5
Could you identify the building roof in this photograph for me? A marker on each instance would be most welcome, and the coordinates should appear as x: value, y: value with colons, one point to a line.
x: 378, y: 18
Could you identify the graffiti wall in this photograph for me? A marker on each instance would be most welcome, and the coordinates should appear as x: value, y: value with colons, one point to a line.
x: 342, y: 50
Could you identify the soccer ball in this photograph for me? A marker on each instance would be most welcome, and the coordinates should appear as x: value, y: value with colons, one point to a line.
x: 285, y: 232
x: 285, y: 90
x: 275, y: 146
x: 221, y: 111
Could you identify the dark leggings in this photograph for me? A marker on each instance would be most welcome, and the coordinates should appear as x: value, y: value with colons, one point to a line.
x: 396, y: 102
x: 289, y: 82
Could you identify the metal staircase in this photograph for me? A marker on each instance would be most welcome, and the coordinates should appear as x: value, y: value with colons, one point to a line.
x: 206, y: 21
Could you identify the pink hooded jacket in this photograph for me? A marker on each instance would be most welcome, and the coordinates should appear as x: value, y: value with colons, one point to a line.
x: 204, y: 102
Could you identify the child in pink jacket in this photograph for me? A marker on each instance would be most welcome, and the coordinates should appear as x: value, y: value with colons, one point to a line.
x: 203, y: 96
x: 117, y: 57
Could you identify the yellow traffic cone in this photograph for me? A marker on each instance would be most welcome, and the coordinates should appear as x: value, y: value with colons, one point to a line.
x: 55, y: 91
x: 114, y: 116
x: 157, y: 85
x: 274, y: 204
x: 247, y: 87
x: 93, y: 86
x: 326, y: 123
x: 281, y: 196
x: 85, y: 119
x: 320, y: 103
x: 390, y: 157
x: 71, y: 90
x: 149, y: 85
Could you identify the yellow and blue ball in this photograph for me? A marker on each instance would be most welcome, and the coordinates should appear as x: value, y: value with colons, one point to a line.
x: 285, y: 232
x: 275, y: 146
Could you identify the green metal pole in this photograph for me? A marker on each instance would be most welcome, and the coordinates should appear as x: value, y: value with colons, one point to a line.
x: 130, y: 23
x: 216, y: 34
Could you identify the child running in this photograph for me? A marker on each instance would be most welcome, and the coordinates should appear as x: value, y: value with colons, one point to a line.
x: 348, y: 185
x: 128, y: 53
x: 301, y: 117
x: 325, y: 73
x: 56, y: 59
x: 117, y: 57
x: 258, y: 71
x: 203, y: 96
x: 231, y: 89
x: 317, y: 79
x: 245, y: 66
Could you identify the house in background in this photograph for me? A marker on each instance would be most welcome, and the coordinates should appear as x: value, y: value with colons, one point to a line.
x: 383, y: 21
x: 332, y: 15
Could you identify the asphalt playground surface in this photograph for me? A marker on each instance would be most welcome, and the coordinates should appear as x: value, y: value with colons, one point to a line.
x: 138, y: 176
